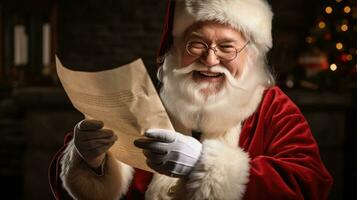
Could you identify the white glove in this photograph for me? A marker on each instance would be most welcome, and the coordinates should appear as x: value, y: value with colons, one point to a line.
x: 169, y: 152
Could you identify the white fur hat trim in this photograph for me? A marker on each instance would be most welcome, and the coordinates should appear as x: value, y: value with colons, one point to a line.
x: 251, y: 17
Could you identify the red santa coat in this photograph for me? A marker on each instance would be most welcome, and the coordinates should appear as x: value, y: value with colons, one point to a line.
x: 285, y: 161
x: 284, y: 157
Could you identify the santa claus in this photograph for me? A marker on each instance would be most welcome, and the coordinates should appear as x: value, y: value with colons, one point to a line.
x: 237, y: 136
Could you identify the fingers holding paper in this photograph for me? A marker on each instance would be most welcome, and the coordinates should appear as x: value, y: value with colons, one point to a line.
x: 169, y: 152
x: 92, y: 141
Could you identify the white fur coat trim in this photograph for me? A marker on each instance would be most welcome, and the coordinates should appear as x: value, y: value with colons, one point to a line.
x: 252, y: 17
x: 83, y: 183
x: 161, y: 188
x: 221, y: 173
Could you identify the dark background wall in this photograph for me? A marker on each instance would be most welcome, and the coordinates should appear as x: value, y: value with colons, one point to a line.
x: 95, y: 35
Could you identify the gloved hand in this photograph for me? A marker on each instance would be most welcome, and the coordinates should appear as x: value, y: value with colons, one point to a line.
x: 92, y: 142
x: 169, y: 152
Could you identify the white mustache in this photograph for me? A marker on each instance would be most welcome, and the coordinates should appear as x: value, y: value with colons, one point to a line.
x: 217, y: 69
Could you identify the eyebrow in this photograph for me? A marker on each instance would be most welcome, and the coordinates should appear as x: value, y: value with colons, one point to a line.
x: 197, y: 34
x: 201, y: 36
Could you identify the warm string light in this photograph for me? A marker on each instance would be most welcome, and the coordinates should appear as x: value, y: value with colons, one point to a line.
x: 349, y: 57
x: 344, y: 28
x: 333, y: 67
x: 322, y: 24
x: 328, y: 9
x: 347, y: 9
x: 339, y: 46
x: 338, y: 1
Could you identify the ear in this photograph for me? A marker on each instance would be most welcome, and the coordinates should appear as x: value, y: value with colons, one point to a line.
x: 159, y: 73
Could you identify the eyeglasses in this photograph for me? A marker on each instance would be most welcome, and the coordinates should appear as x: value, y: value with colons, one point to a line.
x: 222, y: 51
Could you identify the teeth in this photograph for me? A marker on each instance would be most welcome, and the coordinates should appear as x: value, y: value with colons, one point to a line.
x: 210, y: 74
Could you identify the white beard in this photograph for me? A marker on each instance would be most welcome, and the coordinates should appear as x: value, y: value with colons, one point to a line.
x: 214, y: 114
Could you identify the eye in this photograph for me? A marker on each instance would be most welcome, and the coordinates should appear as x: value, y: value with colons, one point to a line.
x: 195, y: 48
x: 198, y: 45
x: 227, y: 48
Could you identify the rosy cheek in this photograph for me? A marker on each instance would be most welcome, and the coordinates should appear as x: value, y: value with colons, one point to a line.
x: 239, y: 70
x: 234, y: 68
x: 186, y: 60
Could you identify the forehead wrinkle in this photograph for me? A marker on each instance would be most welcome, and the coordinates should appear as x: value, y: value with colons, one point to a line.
x: 196, y: 34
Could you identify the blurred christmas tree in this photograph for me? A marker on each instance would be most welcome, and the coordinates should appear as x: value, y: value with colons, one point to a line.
x: 329, y: 59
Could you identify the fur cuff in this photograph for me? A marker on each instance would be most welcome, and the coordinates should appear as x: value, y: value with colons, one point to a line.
x: 162, y: 187
x: 81, y: 182
x: 221, y: 173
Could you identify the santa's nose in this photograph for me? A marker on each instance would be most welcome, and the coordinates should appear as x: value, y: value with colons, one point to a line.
x: 210, y: 59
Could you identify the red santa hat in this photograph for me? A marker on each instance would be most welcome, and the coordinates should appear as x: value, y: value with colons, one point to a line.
x: 252, y: 17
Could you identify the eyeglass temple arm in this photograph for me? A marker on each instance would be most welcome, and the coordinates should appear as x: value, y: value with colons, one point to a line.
x: 241, y: 49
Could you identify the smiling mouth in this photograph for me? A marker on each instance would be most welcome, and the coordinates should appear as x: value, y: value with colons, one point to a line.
x: 207, y: 76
